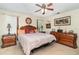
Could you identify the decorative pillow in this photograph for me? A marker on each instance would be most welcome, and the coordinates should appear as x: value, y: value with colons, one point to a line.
x: 29, y: 31
x: 32, y: 31
x: 21, y: 32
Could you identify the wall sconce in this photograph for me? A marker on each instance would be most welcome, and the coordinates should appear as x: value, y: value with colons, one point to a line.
x: 9, y: 27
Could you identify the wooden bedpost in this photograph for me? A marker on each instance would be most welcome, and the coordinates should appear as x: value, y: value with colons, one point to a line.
x: 17, y: 24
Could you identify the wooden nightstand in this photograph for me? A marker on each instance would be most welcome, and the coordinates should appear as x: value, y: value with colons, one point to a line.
x: 8, y: 40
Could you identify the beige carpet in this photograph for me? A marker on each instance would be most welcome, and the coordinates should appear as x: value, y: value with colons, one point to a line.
x: 52, y: 49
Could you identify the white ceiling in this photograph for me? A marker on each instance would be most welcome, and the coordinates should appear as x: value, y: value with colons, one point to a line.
x: 29, y: 8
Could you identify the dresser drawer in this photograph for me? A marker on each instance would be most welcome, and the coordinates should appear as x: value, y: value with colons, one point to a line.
x: 8, y: 40
x: 67, y: 40
x: 66, y: 43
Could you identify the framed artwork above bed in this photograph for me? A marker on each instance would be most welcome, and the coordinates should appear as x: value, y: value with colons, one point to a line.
x: 63, y: 21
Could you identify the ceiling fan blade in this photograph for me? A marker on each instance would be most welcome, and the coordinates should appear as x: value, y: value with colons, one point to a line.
x: 37, y: 10
x: 50, y: 4
x: 50, y: 9
x: 38, y: 5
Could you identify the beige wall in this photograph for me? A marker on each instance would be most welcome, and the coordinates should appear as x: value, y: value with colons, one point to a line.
x: 74, y: 22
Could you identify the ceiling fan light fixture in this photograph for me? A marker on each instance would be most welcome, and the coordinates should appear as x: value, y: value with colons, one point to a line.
x: 42, y: 10
x: 44, y: 7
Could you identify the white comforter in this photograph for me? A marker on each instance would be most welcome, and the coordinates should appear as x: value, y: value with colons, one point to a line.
x: 34, y: 40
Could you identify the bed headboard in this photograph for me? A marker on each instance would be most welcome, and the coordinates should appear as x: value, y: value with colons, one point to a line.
x: 28, y: 28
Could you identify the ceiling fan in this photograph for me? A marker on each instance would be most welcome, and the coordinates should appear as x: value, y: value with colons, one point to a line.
x: 44, y: 7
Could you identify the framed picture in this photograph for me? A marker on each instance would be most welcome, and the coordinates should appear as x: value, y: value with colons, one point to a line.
x: 48, y: 25
x: 28, y: 20
x: 63, y: 21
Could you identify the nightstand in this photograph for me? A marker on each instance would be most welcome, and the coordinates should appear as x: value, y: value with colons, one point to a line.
x: 8, y: 40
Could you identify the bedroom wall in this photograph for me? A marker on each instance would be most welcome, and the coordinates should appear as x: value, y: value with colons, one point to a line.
x: 74, y: 22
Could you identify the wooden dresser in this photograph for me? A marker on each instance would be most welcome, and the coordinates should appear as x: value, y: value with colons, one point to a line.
x: 66, y: 39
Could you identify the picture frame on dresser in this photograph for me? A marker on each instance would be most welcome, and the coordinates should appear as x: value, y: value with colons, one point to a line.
x: 62, y: 21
